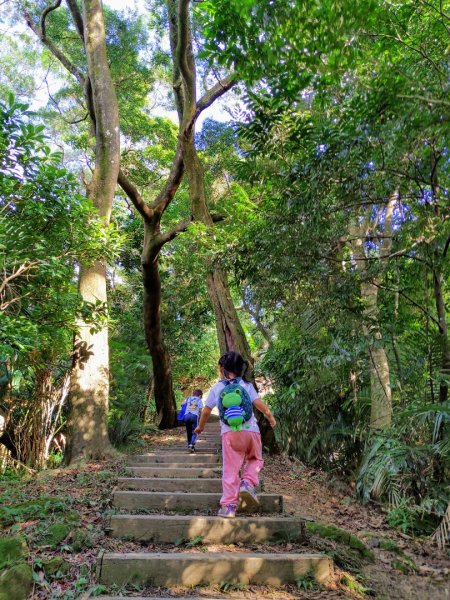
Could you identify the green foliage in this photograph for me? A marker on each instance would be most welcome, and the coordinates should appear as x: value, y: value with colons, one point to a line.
x: 353, y: 585
x: 42, y: 507
x: 46, y: 228
x: 12, y: 550
x: 16, y: 582
x: 55, y: 534
x: 341, y: 536
x: 307, y: 581
x: 310, y: 40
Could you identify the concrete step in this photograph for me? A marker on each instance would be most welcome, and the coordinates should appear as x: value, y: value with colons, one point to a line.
x: 173, y: 457
x: 173, y: 569
x: 207, y: 441
x: 177, y: 465
x: 170, y: 484
x: 135, y: 500
x: 185, y: 450
x: 198, y: 444
x: 184, y: 471
x: 166, y: 529
x: 166, y: 484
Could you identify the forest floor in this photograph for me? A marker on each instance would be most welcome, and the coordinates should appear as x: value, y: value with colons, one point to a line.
x: 58, y: 520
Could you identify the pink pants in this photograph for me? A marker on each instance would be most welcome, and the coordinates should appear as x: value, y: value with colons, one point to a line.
x: 240, y: 448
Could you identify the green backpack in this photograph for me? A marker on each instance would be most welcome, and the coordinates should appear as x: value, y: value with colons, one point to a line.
x: 235, y: 406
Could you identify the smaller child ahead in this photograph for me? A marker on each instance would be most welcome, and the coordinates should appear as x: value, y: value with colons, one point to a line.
x: 241, y: 439
x: 194, y: 406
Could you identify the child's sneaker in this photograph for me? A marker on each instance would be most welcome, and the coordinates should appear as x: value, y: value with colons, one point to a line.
x: 228, y: 511
x: 192, y: 448
x: 248, y: 495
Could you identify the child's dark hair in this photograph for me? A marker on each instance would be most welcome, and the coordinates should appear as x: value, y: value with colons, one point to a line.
x: 197, y: 393
x: 233, y: 362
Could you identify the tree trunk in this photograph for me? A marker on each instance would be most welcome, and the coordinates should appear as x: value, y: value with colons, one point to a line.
x: 90, y: 377
x: 162, y: 373
x: 230, y: 333
x: 443, y: 333
x: 394, y: 335
x: 438, y: 286
x: 380, y: 386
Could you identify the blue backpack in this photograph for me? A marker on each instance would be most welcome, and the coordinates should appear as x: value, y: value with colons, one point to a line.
x: 235, y: 406
x: 181, y: 413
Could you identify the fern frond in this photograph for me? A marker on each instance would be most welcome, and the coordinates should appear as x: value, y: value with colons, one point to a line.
x: 442, y: 534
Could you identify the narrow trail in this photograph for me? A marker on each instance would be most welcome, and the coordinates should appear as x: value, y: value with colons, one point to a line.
x: 171, y: 500
x: 167, y: 506
x: 145, y: 526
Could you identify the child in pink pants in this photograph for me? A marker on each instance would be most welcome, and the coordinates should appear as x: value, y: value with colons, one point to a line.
x: 240, y: 449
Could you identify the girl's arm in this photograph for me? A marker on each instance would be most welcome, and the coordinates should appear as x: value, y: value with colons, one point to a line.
x: 205, y: 416
x: 261, y: 406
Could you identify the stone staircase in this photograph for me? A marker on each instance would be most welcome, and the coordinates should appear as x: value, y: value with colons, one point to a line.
x: 179, y: 494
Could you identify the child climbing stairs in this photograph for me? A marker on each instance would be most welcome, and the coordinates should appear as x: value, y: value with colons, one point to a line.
x: 179, y: 494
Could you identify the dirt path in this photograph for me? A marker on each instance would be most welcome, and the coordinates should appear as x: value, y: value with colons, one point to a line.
x: 312, y: 493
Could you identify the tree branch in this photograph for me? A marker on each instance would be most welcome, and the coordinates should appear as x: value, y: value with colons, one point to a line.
x: 77, y: 18
x: 133, y: 194
x: 168, y: 236
x: 46, y: 12
x: 425, y: 99
x: 75, y: 71
x: 408, y: 298
x: 180, y: 227
x: 166, y: 195
x: 211, y: 95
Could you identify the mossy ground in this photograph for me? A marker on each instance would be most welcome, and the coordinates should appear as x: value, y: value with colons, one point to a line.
x: 51, y: 528
x: 16, y: 582
x: 69, y: 507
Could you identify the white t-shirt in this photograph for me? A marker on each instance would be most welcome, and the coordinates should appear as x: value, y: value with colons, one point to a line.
x: 193, y: 405
x: 213, y: 398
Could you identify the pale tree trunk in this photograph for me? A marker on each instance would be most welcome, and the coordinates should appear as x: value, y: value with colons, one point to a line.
x: 89, y: 386
x: 438, y: 286
x: 380, y: 380
x: 231, y: 336
x: 380, y: 386
x: 89, y: 390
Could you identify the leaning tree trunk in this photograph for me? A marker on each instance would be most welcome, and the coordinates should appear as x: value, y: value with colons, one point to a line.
x: 90, y: 377
x: 230, y: 333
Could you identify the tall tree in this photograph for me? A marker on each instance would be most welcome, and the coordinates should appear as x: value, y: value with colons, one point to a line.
x: 154, y: 239
x: 89, y: 386
x: 230, y: 333
x: 361, y: 231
